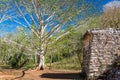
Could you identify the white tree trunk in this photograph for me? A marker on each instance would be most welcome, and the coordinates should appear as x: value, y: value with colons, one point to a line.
x: 41, y: 59
x: 41, y: 62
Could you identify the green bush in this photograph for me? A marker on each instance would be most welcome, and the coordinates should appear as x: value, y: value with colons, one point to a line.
x: 17, y: 60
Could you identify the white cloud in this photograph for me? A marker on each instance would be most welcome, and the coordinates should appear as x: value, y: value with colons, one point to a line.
x: 112, y: 4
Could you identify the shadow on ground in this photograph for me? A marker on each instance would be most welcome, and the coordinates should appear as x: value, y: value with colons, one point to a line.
x: 77, y: 76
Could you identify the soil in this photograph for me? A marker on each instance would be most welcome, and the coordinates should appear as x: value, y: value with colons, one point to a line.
x: 12, y: 74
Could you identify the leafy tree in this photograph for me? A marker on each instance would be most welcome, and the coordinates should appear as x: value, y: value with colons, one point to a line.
x: 111, y: 16
x: 13, y: 54
x: 71, y: 45
x: 48, y: 19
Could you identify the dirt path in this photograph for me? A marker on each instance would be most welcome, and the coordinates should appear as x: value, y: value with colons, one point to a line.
x: 10, y: 74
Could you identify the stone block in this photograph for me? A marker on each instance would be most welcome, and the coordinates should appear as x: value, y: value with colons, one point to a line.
x: 101, y: 52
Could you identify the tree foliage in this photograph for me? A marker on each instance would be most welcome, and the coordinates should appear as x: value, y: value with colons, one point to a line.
x: 110, y: 18
x: 48, y: 20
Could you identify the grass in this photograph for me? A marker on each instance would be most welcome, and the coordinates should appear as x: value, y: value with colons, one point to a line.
x: 66, y: 64
x: 71, y: 63
x: 4, y: 66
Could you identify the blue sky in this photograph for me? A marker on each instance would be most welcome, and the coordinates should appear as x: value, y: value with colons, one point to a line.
x: 9, y: 26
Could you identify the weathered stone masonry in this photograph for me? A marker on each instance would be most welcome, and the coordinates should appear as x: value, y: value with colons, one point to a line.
x: 101, y: 51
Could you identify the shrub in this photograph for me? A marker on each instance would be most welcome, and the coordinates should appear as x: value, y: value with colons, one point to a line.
x: 17, y: 60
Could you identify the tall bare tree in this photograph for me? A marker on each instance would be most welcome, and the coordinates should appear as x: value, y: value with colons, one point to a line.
x: 46, y: 19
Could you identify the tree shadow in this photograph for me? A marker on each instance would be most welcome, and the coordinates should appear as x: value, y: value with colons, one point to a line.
x: 22, y: 75
x: 76, y: 76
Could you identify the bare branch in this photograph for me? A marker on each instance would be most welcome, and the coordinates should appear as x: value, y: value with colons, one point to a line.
x: 27, y: 21
x: 19, y: 23
x: 33, y: 19
x: 51, y: 16
x: 36, y: 9
x: 54, y: 29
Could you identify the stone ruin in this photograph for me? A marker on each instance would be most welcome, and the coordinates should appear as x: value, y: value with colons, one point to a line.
x: 101, y: 54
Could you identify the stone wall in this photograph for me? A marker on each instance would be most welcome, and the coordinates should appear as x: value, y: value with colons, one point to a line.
x: 101, y: 50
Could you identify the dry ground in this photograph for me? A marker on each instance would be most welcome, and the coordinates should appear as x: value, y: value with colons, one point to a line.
x: 11, y: 74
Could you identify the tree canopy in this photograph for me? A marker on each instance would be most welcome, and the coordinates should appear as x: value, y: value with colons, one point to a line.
x: 111, y: 15
x: 48, y: 20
